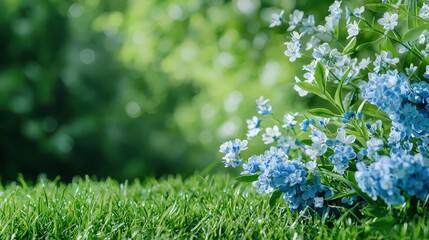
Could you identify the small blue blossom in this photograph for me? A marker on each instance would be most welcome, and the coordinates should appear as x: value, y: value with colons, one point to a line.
x: 304, y: 125
x: 262, y: 106
x: 252, y: 165
x: 342, y: 155
x: 323, y: 122
x: 357, y: 12
x: 277, y: 19
x: 232, y: 150
x: 349, y: 200
x: 347, y: 116
x: 361, y: 154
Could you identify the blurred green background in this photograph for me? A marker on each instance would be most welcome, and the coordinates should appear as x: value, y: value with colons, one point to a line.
x: 135, y: 88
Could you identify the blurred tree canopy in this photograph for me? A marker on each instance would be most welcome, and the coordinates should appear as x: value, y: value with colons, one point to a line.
x: 134, y: 88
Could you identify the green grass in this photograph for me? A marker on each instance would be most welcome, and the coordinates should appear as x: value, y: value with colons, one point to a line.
x: 171, y: 208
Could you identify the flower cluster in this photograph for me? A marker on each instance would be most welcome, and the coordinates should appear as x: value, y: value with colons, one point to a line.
x: 375, y: 126
x: 277, y: 171
x: 232, y: 150
x: 390, y: 176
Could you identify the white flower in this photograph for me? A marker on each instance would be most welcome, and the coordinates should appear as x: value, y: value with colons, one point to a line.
x: 422, y: 37
x: 342, y: 137
x: 364, y: 63
x: 276, y: 19
x: 294, y: 19
x: 318, y: 202
x: 424, y: 12
x: 316, y: 149
x: 314, y: 42
x: 318, y: 137
x: 335, y: 8
x: 271, y: 134
x: 321, y: 51
x: 352, y: 29
x: 289, y: 120
x: 301, y: 92
x: 384, y: 60
x: 253, y: 126
x: 358, y: 11
x: 311, y: 165
x: 389, y: 21
x: 426, y: 74
x: 296, y: 36
x: 292, y: 50
x: 411, y: 70
x: 308, y: 24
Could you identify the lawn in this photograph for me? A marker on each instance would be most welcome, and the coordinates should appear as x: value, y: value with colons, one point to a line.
x: 199, y: 207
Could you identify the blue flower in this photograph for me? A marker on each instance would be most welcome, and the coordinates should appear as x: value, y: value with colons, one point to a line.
x: 232, y: 150
x: 389, y: 177
x: 347, y: 116
x: 252, y: 165
x: 277, y: 171
x: 342, y: 155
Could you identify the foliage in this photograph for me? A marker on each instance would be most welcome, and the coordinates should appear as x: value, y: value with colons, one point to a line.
x: 129, y: 88
x: 173, y: 208
x: 369, y: 149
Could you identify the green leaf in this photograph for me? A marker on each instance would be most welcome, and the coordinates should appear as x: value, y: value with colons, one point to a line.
x: 414, y: 34
x: 274, y: 197
x: 374, y: 211
x: 350, y: 99
x: 384, y: 225
x: 306, y: 142
x: 367, y: 44
x: 378, y: 7
x: 387, y: 46
x: 247, y: 178
x: 373, y: 111
x: 412, y: 13
x: 349, y: 47
x: 339, y: 90
x: 324, y: 37
x: 350, y: 193
x: 320, y: 75
x: 321, y: 112
x: 311, y: 88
